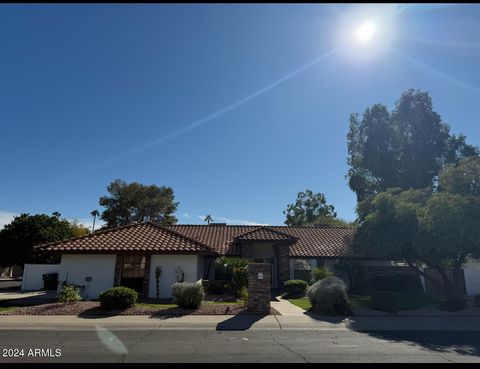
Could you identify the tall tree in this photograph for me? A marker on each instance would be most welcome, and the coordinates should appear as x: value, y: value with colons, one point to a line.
x: 135, y: 202
x: 18, y: 238
x: 404, y: 148
x: 438, y: 230
x: 94, y: 214
x: 311, y: 209
x: 462, y: 178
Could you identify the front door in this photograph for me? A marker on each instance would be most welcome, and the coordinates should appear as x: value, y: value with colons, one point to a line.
x: 133, y: 271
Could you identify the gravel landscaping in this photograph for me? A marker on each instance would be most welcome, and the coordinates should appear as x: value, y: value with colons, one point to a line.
x: 92, y: 308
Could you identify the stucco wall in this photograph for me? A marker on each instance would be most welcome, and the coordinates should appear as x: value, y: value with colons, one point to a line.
x: 99, y: 267
x: 472, y: 277
x: 169, y: 263
x: 33, y: 275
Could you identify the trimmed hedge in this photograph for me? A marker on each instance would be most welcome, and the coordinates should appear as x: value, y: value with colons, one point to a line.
x: 187, y: 295
x: 118, y: 298
x: 385, y: 301
x: 329, y: 296
x: 295, y: 287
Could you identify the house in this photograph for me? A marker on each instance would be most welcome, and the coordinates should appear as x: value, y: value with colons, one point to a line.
x: 129, y: 255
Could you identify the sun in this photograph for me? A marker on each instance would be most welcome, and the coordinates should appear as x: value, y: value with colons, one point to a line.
x: 365, y: 32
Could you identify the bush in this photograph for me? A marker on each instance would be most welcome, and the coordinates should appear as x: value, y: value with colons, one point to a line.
x: 320, y: 273
x: 385, y: 301
x: 400, y: 282
x: 215, y: 287
x: 295, y: 287
x: 235, y: 267
x: 454, y: 304
x: 118, y: 298
x: 187, y: 295
x: 477, y: 300
x: 244, y: 295
x: 69, y: 293
x: 329, y: 296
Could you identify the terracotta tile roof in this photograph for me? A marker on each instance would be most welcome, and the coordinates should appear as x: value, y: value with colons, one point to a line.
x: 312, y: 241
x: 214, y: 239
x: 148, y: 237
x: 265, y: 234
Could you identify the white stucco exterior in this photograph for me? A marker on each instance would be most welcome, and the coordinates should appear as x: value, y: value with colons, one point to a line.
x: 471, y: 271
x: 100, y: 268
x: 192, y: 266
x: 33, y: 275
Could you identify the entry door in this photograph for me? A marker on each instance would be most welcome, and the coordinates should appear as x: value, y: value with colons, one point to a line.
x: 133, y: 272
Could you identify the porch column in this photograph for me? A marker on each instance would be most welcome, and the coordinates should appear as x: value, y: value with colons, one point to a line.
x: 283, y: 260
x: 146, y: 276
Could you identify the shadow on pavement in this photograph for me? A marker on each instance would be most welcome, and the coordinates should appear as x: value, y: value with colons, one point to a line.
x: 463, y: 343
x: 239, y: 322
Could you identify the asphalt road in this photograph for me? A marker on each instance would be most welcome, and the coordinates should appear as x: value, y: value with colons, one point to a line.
x: 239, y: 346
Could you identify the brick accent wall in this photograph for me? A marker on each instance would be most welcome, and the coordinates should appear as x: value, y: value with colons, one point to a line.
x: 283, y: 260
x: 259, y: 290
x: 118, y: 271
x: 146, y: 276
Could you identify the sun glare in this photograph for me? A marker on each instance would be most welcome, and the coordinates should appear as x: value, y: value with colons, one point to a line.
x: 365, y: 32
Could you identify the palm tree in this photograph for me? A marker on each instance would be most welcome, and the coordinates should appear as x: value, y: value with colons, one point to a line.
x: 94, y: 214
x: 208, y: 219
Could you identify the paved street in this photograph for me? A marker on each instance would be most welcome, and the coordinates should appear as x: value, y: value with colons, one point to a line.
x: 244, y: 346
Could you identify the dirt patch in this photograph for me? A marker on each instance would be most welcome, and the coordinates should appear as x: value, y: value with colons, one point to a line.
x: 92, y: 308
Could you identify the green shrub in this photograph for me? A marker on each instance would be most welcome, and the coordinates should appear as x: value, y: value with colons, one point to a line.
x: 235, y: 267
x: 400, y: 282
x: 477, y: 300
x: 69, y: 293
x: 244, y: 295
x: 215, y: 287
x: 329, y: 296
x: 385, y: 301
x: 454, y: 304
x: 320, y: 273
x: 187, y: 295
x: 295, y: 287
x: 118, y: 298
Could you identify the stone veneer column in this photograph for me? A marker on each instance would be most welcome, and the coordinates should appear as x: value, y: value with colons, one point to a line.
x: 146, y: 276
x: 283, y: 260
x: 118, y: 271
x: 259, y: 290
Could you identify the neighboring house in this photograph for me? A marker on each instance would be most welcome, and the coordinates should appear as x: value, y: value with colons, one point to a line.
x: 128, y: 255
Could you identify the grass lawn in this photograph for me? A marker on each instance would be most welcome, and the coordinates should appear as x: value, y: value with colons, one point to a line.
x: 8, y: 308
x: 405, y: 301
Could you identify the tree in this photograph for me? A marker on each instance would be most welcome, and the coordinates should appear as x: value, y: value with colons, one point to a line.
x: 94, y: 214
x: 462, y: 178
x: 404, y: 148
x: 310, y: 209
x: 208, y: 219
x: 439, y: 230
x: 135, y: 202
x: 18, y: 238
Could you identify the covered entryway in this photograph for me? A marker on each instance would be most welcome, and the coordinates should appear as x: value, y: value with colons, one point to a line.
x: 133, y: 272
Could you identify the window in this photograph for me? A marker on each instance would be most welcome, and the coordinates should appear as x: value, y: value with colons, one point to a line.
x: 302, y: 269
x: 133, y: 266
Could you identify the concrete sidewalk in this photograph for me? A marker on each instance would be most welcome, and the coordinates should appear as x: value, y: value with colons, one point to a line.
x: 240, y: 322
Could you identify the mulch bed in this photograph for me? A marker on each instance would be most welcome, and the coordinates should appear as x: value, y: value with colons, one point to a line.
x: 92, y: 308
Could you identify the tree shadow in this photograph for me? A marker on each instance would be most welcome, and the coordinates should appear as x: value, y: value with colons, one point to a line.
x: 463, y: 343
x: 240, y: 322
x: 335, y: 319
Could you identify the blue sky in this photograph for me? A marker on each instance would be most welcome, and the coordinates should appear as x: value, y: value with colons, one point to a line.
x: 236, y: 107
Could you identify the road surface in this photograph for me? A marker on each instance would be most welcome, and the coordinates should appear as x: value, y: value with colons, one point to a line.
x: 102, y: 345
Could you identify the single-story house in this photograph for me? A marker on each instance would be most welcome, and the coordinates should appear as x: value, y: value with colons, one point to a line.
x: 129, y: 255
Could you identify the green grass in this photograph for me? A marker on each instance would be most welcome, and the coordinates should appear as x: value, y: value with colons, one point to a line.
x: 8, y: 308
x: 301, y: 302
x: 405, y: 301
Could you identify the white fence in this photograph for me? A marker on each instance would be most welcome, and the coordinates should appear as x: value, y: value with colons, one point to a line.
x: 33, y: 275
